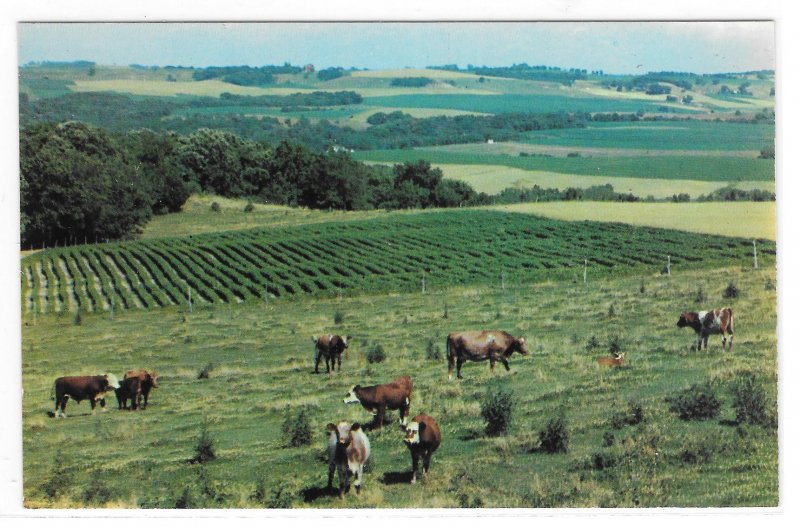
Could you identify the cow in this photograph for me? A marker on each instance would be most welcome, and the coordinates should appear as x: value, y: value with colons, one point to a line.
x: 331, y: 346
x: 617, y: 361
x: 422, y: 439
x: 137, y: 391
x: 480, y: 346
x: 348, y: 452
x: 378, y: 398
x: 79, y: 388
x: 705, y: 323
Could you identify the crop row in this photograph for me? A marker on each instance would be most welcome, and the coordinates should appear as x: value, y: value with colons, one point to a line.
x: 387, y: 254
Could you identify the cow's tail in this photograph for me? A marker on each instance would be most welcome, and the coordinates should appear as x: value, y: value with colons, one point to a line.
x: 451, y: 362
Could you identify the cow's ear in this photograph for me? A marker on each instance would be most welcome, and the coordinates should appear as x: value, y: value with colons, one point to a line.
x: 330, y: 427
x: 422, y: 426
x: 355, y: 427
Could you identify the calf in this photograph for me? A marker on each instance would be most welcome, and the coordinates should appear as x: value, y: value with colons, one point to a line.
x: 79, y: 388
x: 348, y: 452
x: 617, y: 361
x: 136, y: 386
x: 378, y: 398
x: 331, y: 347
x: 716, y: 321
x: 422, y: 439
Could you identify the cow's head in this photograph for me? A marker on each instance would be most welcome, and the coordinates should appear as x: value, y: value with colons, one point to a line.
x: 154, y: 379
x: 352, y: 396
x: 341, y: 432
x: 685, y: 319
x: 413, y: 432
x: 346, y: 340
x: 314, y: 338
x: 520, y: 346
x: 112, y: 380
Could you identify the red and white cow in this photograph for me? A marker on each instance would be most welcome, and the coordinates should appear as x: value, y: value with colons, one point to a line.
x: 348, y: 452
x: 705, y: 323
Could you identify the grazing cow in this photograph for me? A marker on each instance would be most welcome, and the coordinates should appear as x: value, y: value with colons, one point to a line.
x: 480, y: 346
x: 138, y: 391
x: 330, y: 346
x: 79, y: 388
x: 378, y: 398
x: 716, y: 321
x: 348, y: 452
x: 617, y: 361
x: 422, y: 439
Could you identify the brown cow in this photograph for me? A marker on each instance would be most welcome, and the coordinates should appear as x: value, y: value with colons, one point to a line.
x: 331, y: 346
x: 480, y: 346
x: 716, y: 321
x: 79, y: 388
x: 422, y: 439
x: 617, y: 361
x: 138, y: 391
x: 348, y: 452
x: 378, y: 398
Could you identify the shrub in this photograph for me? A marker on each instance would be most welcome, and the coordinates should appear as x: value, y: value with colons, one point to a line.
x: 215, y: 207
x: 592, y: 344
x: 700, y: 296
x: 497, y: 409
x: 77, y: 319
x: 731, y: 292
x: 611, y: 310
x: 60, y: 477
x: 697, y: 452
x: 695, y: 403
x: 375, y: 354
x: 205, y: 447
x: 338, y: 317
x: 749, y: 400
x: 297, y: 427
x: 249, y: 207
x: 554, y: 438
x: 433, y: 351
x: 96, y: 492
x: 281, y: 496
x: 641, y: 287
x: 608, y: 439
x: 205, y: 371
x: 614, y: 345
x: 769, y: 285
x: 633, y: 415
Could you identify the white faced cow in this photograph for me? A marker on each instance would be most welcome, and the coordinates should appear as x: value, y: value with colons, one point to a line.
x: 79, y: 388
x: 348, y: 451
x: 422, y: 439
x: 716, y: 321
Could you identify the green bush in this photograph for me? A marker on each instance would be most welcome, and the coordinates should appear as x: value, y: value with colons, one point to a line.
x: 700, y: 296
x: 433, y: 351
x: 249, y: 207
x: 592, y: 344
x: 215, y: 207
x: 375, y: 354
x: 60, y: 478
x: 554, y: 438
x: 614, y: 345
x: 204, y: 372
x: 97, y: 492
x: 338, y: 317
x: 749, y: 400
x: 633, y: 415
x: 497, y: 409
x: 698, y: 402
x: 297, y: 427
x: 205, y: 447
x: 731, y: 291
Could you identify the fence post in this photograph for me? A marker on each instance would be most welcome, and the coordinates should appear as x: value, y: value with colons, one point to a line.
x: 266, y: 295
x: 189, y: 294
x: 669, y: 263
x: 423, y: 284
x: 112, y: 306
x: 503, y: 281
x: 755, y: 256
x: 585, y: 265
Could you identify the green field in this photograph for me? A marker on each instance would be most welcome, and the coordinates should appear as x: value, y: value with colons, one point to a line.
x: 261, y: 361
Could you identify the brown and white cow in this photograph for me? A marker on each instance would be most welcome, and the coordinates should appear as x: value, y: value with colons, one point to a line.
x: 348, y: 452
x: 136, y: 386
x: 482, y: 345
x: 79, y: 388
x: 705, y: 323
x: 422, y: 439
x: 330, y: 346
x: 378, y: 398
x: 617, y: 360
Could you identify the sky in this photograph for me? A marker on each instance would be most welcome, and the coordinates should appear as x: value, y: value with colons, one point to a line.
x: 614, y: 47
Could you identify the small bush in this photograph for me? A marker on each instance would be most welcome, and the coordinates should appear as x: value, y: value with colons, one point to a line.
x: 215, y: 207
x: 749, y: 400
x: 375, y: 354
x: 641, y: 287
x: 554, y: 438
x: 297, y: 427
x: 697, y: 452
x: 78, y: 318
x: 433, y: 351
x: 96, y: 492
x: 700, y: 296
x: 695, y: 403
x: 205, y: 447
x: 731, y: 291
x: 204, y: 372
x: 592, y: 344
x: 497, y: 409
x: 608, y: 439
x: 614, y: 345
x: 445, y: 315
x: 338, y: 317
x: 281, y: 496
x: 249, y: 207
x: 602, y: 460
x: 60, y: 478
x: 633, y: 415
x: 769, y: 285
x: 611, y: 310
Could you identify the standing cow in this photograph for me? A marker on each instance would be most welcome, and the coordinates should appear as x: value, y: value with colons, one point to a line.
x: 378, y: 398
x: 79, y: 388
x: 716, y: 321
x: 480, y: 346
x: 422, y: 439
x: 348, y: 452
x: 136, y: 386
x: 332, y: 347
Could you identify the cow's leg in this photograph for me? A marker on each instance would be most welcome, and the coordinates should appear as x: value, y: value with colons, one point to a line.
x: 492, y: 361
x: 705, y: 342
x: 730, y: 342
x: 426, y: 462
x: 339, y: 361
x: 451, y: 363
x: 145, y: 395
x: 414, y: 466
x: 93, y: 403
x: 344, y: 478
x: 359, y: 476
x: 331, y: 469
x: 458, y: 368
x: 61, y: 402
x: 316, y: 362
x: 404, y: 412
x: 328, y: 364
x: 504, y: 361
x: 103, y: 404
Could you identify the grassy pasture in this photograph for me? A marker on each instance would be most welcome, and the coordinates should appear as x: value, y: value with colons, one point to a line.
x: 724, y: 169
x: 262, y: 364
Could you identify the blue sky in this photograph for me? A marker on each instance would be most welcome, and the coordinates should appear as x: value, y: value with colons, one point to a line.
x: 615, y: 47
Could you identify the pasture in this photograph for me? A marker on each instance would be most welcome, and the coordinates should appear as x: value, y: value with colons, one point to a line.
x: 259, y: 364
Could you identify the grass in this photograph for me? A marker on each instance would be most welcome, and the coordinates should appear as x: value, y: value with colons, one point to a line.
x: 264, y: 362
x: 753, y: 219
